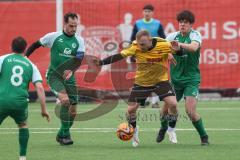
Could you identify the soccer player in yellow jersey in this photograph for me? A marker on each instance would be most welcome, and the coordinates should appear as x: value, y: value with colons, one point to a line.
x: 152, y: 57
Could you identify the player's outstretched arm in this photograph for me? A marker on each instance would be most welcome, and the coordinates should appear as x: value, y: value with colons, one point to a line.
x: 42, y: 98
x: 109, y: 60
x: 192, y: 47
x: 32, y: 48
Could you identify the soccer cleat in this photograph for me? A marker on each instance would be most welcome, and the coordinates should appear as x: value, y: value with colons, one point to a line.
x: 22, y: 158
x: 161, y: 135
x: 172, y: 135
x: 204, y: 140
x: 135, y: 139
x: 64, y: 140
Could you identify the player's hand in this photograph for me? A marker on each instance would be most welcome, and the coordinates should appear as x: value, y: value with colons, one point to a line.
x: 171, y: 59
x: 46, y: 115
x: 67, y: 74
x: 175, y: 45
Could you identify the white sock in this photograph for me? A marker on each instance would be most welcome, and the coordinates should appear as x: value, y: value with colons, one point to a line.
x: 22, y: 158
x: 170, y: 129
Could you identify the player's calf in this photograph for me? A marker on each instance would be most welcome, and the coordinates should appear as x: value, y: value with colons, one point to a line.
x: 161, y: 135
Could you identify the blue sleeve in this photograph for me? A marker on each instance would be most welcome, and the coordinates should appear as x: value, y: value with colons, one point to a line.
x: 161, y: 31
x: 80, y: 55
x: 134, y: 32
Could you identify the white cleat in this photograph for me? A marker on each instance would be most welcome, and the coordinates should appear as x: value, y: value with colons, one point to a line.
x: 172, y: 135
x: 135, y: 139
x: 22, y: 158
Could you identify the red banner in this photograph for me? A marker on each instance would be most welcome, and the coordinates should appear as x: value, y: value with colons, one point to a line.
x: 105, y: 24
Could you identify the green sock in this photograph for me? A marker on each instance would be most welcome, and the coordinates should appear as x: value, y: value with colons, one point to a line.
x: 164, y: 123
x: 199, y: 127
x: 23, y: 140
x: 66, y: 122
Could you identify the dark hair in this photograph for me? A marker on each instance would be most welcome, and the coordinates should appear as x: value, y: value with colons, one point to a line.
x: 142, y: 33
x: 69, y: 15
x: 186, y: 15
x: 148, y: 7
x: 19, y: 45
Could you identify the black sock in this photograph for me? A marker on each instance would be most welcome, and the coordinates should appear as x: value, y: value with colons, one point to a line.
x: 134, y: 124
x: 172, y: 123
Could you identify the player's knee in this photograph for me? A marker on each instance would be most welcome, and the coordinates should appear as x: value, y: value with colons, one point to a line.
x: 132, y: 108
x: 73, y: 113
x: 23, y: 125
x: 172, y: 104
x: 65, y: 101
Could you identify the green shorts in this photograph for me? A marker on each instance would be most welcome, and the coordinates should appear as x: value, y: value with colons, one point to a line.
x: 186, y: 89
x: 18, y: 110
x: 58, y: 84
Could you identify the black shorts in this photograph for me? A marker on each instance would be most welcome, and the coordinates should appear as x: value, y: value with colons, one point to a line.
x: 162, y: 89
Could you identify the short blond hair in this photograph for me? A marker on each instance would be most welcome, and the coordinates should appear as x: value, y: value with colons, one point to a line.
x: 142, y: 33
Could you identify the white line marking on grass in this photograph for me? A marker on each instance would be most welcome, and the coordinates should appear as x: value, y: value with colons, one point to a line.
x: 100, y: 130
x: 58, y: 128
x: 150, y: 109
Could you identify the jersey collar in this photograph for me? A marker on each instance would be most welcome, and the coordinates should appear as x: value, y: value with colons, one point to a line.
x: 144, y: 20
x: 67, y: 35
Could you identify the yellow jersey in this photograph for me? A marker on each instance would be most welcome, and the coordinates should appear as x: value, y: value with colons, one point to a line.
x: 152, y: 65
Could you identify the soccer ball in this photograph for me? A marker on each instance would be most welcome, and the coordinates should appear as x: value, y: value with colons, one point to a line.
x: 125, y: 132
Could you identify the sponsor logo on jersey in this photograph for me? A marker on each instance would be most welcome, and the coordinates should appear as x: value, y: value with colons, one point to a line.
x: 74, y: 45
x: 60, y: 40
x: 67, y: 51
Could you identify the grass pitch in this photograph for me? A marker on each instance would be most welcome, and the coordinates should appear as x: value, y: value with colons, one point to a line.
x: 96, y: 138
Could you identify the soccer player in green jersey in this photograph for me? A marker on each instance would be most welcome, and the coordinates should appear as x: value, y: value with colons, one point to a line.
x: 65, y: 46
x: 185, y: 76
x: 16, y: 72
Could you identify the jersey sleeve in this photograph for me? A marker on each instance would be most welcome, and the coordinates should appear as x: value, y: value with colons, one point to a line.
x: 48, y: 39
x: 1, y: 61
x: 167, y: 48
x: 81, y: 48
x: 196, y: 36
x: 36, y: 76
x: 130, y: 51
x: 171, y: 36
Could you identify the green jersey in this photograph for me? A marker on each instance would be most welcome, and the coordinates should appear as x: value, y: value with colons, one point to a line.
x: 63, y: 48
x: 187, y: 68
x: 16, y: 72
